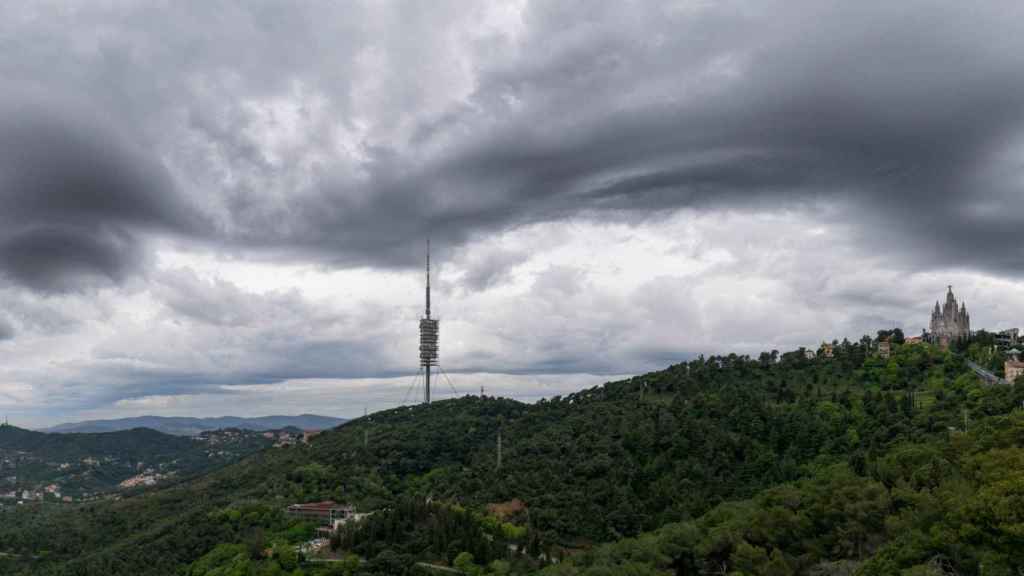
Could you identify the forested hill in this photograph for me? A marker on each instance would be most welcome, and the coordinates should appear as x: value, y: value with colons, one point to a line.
x: 132, y: 444
x: 75, y: 466
x: 663, y: 450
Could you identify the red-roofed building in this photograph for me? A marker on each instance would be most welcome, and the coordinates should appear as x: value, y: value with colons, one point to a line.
x: 324, y: 513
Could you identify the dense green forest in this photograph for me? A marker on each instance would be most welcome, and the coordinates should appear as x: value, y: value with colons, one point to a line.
x: 777, y: 465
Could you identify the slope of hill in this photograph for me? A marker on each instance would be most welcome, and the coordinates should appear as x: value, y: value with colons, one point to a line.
x: 186, y: 426
x: 774, y: 465
x: 40, y: 466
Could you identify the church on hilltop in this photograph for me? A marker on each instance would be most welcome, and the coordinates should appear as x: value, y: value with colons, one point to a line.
x: 950, y: 323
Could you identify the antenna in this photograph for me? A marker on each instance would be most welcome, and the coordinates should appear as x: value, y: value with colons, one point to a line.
x: 366, y: 429
x: 428, y: 277
x: 428, y: 338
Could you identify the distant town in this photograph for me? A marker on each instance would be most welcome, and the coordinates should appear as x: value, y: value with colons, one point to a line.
x: 65, y: 472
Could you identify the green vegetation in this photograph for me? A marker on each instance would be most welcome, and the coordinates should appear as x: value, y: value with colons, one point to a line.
x: 950, y: 506
x: 438, y: 533
x: 724, y: 465
x: 95, y: 463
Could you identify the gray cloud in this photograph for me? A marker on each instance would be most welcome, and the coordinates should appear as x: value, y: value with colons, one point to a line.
x: 343, y: 135
x: 626, y: 112
x: 6, y: 329
x: 78, y: 202
x: 632, y: 111
x: 486, y: 270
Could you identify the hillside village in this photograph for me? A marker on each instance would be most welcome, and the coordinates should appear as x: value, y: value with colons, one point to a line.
x: 32, y: 470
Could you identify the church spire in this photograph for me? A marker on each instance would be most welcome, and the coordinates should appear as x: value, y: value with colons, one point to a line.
x: 950, y: 322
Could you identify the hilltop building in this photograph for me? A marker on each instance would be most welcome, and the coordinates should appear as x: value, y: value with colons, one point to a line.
x: 1012, y: 370
x: 950, y: 323
x: 324, y: 513
x: 1008, y: 338
x: 884, y: 348
x: 1013, y: 367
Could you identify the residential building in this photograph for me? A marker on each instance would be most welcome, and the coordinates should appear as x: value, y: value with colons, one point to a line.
x: 1012, y: 370
x: 1008, y: 338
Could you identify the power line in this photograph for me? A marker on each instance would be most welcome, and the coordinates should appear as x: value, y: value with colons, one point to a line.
x: 449, y: 380
x: 412, y: 385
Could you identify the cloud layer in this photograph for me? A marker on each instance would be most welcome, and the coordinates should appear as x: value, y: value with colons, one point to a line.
x: 238, y: 195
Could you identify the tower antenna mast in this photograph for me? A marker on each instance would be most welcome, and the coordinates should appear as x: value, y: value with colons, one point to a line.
x: 428, y: 338
x: 428, y: 277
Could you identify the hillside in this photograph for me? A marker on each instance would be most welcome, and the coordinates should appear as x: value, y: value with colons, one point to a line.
x: 41, y: 466
x: 774, y: 465
x: 186, y: 426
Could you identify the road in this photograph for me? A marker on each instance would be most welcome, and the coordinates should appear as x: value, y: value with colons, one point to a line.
x: 985, y: 374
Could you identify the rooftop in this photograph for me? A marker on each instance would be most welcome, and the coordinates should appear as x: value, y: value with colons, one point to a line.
x: 325, y: 506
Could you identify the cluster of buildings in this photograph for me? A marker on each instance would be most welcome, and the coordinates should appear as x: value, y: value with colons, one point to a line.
x: 47, y: 493
x: 147, y: 478
x: 950, y: 323
x: 284, y: 438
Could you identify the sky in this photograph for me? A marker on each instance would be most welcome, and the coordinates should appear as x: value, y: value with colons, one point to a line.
x: 218, y: 207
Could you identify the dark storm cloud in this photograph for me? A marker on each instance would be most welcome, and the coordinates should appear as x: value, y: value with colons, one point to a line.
x: 909, y: 114
x: 897, y: 111
x: 78, y: 203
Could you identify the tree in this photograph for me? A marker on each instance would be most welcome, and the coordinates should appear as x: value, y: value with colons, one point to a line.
x: 748, y: 559
x: 286, y: 556
x: 778, y: 566
x: 464, y: 562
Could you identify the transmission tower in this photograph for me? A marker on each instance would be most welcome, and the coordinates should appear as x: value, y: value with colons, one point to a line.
x: 429, y: 334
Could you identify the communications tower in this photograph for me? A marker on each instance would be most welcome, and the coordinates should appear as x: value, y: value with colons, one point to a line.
x: 428, y: 339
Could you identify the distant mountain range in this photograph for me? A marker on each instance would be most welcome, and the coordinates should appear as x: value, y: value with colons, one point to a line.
x: 186, y: 426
